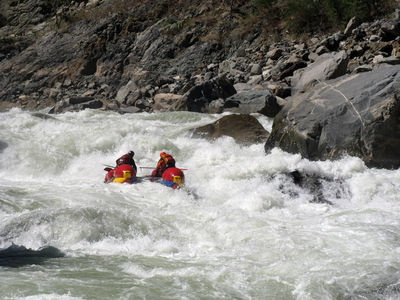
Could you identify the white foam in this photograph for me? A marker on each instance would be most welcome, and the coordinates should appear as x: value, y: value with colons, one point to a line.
x: 240, y: 219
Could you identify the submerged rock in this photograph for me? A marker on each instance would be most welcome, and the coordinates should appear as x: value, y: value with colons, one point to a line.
x: 315, y: 185
x: 17, y: 256
x: 245, y: 129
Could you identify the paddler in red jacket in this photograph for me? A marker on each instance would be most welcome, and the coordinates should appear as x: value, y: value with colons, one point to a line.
x: 127, y: 159
x: 166, y: 161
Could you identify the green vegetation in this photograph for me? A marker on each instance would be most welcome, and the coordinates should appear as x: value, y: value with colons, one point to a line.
x: 316, y: 15
x: 264, y: 3
x: 173, y: 26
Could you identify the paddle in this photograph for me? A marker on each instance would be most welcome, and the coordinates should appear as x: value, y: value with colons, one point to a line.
x: 154, y: 168
x: 108, y: 166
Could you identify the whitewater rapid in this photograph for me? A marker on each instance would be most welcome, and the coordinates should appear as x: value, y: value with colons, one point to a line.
x: 239, y: 229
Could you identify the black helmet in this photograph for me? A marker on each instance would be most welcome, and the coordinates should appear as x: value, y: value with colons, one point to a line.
x: 131, y: 153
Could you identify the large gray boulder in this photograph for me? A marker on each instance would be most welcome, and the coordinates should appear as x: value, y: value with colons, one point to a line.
x: 327, y: 66
x: 358, y: 115
x: 124, y: 91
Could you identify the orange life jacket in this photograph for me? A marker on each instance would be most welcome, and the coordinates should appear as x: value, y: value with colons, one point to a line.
x: 166, y: 161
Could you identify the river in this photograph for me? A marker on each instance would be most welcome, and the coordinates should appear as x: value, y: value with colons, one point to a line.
x: 238, y: 230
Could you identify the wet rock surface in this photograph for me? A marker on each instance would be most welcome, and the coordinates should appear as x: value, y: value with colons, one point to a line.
x: 245, y: 129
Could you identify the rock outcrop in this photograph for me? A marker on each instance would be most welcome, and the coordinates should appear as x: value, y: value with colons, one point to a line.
x: 198, y: 98
x: 357, y: 115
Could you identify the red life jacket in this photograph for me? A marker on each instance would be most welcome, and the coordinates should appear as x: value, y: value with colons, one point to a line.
x: 126, y: 159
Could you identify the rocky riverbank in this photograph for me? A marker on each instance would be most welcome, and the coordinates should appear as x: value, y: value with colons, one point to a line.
x: 201, y: 57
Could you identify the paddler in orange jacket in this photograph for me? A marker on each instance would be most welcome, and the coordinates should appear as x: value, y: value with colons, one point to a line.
x: 166, y: 161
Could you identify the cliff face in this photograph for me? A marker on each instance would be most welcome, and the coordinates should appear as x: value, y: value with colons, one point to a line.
x: 92, y: 49
x: 120, y: 54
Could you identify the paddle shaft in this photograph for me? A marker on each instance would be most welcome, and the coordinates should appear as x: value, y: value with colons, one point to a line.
x: 154, y: 168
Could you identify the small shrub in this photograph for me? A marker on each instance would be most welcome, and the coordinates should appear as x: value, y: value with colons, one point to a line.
x: 316, y: 15
x: 264, y: 3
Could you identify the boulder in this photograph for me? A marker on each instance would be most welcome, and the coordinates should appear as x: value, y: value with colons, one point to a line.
x: 76, y: 104
x: 280, y: 89
x: 351, y: 25
x: 363, y: 68
x: 321, y: 50
x: 392, y: 60
x: 199, y: 96
x: 327, y: 66
x: 275, y: 53
x: 240, y: 87
x: 311, y: 183
x: 256, y: 79
x: 255, y: 69
x: 390, y: 30
x: 94, y: 104
x: 332, y: 42
x: 78, y: 100
x: 215, y: 107
x: 253, y: 101
x: 17, y: 255
x: 128, y: 110
x: 291, y: 68
x: 164, y: 102
x: 124, y: 91
x: 245, y: 129
x: 356, y: 114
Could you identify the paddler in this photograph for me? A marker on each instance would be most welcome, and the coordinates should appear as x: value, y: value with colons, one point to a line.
x: 122, y: 174
x: 127, y: 159
x: 166, y: 161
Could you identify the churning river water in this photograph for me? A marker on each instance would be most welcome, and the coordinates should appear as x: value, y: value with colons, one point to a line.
x: 233, y: 232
